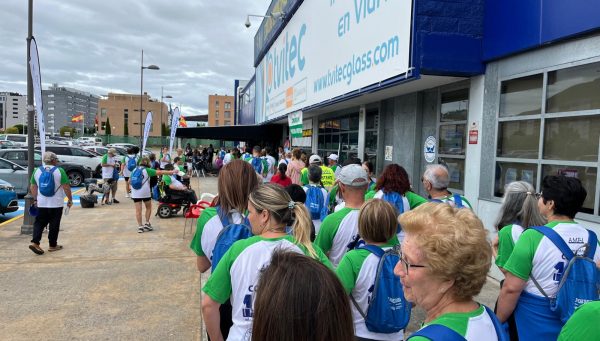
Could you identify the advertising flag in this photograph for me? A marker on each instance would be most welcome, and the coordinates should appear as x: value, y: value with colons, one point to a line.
x: 34, y: 64
x: 147, y: 127
x: 174, y: 125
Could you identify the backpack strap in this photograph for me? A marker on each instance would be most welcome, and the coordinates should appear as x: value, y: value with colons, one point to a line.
x: 438, y: 332
x: 457, y: 200
x: 592, y: 243
x: 497, y: 325
x: 377, y: 251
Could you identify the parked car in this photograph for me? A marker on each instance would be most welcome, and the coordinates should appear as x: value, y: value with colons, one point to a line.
x: 88, y: 141
x: 4, y: 144
x: 14, y: 174
x: 103, y: 150
x: 8, y: 198
x: 77, y: 155
x: 18, y: 139
x: 76, y: 173
x: 122, y: 145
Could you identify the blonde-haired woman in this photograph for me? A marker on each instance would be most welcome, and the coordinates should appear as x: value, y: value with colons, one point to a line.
x: 444, y: 264
x: 270, y: 212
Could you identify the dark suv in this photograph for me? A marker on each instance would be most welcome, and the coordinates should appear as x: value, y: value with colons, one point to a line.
x: 76, y: 173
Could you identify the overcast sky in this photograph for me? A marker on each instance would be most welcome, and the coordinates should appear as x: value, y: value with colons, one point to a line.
x: 201, y: 46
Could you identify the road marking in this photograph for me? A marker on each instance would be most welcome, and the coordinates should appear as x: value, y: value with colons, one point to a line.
x: 22, y: 214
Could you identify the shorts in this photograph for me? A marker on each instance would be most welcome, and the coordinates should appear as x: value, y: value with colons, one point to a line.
x: 141, y: 199
x: 126, y: 178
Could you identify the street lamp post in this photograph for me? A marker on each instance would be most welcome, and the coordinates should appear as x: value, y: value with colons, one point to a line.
x: 161, y: 110
x: 28, y: 220
x: 149, y: 67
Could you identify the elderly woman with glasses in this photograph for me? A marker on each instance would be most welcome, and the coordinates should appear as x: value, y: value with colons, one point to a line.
x: 444, y: 264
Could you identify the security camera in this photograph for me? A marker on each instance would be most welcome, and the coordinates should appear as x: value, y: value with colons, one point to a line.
x: 247, y: 23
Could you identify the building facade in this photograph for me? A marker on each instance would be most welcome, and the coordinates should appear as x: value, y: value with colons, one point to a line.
x: 495, y: 90
x: 221, y: 110
x: 13, y: 109
x: 62, y: 104
x: 123, y: 110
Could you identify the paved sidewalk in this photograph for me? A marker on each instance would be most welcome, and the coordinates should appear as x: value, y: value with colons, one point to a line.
x: 109, y: 282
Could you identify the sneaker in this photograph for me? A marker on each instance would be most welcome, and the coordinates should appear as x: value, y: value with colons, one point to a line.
x: 127, y: 195
x: 108, y: 203
x: 55, y: 248
x: 115, y: 201
x: 36, y: 249
x: 148, y: 227
x: 141, y: 229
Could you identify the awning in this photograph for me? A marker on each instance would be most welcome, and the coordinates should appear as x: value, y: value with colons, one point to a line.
x: 265, y: 132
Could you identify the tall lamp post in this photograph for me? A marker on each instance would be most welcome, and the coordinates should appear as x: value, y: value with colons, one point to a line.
x: 149, y: 67
x: 161, y: 110
x: 28, y: 220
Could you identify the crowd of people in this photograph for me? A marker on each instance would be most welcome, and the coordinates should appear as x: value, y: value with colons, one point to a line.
x: 299, y: 250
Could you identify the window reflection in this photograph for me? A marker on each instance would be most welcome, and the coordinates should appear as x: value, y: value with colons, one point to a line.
x: 521, y: 96
x: 575, y: 88
x: 455, y: 105
x: 572, y: 138
x: 519, y: 139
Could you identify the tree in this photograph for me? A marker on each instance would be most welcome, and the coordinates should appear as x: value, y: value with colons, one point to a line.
x: 12, y: 130
x: 68, y: 129
x: 108, y: 130
x: 126, y: 130
x: 21, y: 128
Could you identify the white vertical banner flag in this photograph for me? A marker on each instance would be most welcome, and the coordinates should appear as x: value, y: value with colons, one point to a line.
x: 174, y: 125
x: 147, y: 127
x: 34, y: 64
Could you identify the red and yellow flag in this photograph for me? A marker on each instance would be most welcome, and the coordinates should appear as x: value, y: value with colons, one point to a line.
x: 182, y: 122
x: 77, y: 118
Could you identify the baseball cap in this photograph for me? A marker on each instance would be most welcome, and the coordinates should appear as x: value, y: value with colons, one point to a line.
x: 112, y: 151
x: 315, y: 159
x: 353, y: 175
x: 333, y: 157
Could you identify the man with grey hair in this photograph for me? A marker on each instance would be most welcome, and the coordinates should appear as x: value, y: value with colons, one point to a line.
x: 49, y: 185
x: 109, y: 167
x: 435, y: 180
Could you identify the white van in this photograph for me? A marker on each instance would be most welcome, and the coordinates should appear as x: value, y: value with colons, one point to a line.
x: 18, y: 139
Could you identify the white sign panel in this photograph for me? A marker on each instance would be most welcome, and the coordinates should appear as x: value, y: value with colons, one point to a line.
x: 330, y: 48
x: 389, y: 152
x: 307, y: 133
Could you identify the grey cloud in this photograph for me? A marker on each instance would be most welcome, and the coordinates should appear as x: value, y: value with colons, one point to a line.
x: 200, y: 46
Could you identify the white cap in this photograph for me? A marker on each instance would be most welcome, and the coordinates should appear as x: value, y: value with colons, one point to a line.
x: 333, y: 157
x: 353, y: 175
x: 315, y: 159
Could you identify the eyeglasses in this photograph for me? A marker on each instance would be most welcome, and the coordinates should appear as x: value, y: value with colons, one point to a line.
x: 538, y: 195
x: 407, y: 265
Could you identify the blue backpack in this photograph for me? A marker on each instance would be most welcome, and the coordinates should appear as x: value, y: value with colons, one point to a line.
x: 137, y: 178
x: 257, y: 164
x: 397, y: 201
x: 388, y: 311
x: 455, y: 197
x: 436, y: 332
x: 315, y: 203
x: 580, y: 281
x: 46, y: 182
x: 131, y: 163
x: 115, y: 174
x: 230, y: 234
x: 155, y: 193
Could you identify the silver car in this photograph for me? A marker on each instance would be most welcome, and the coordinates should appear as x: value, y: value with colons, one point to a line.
x: 15, y: 174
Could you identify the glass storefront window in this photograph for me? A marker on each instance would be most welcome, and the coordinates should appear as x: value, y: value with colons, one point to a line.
x: 574, y: 89
x: 507, y: 172
x: 521, y: 96
x: 452, y: 139
x: 455, y: 105
x: 572, y: 138
x: 456, y: 171
x: 372, y: 120
x: 587, y: 175
x: 519, y: 139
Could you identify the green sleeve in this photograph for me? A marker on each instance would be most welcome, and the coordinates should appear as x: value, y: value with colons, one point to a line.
x: 370, y: 194
x: 332, y: 195
x: 304, y: 176
x: 322, y: 257
x: 151, y: 171
x: 505, y: 245
x: 578, y: 327
x: 520, y: 261
x: 167, y: 180
x: 218, y: 286
x: 467, y: 202
x: 328, y: 229
x: 414, y: 200
x: 123, y: 159
x: 104, y: 159
x: 347, y: 270
x: 32, y: 180
x: 195, y: 244
x: 180, y: 168
x: 64, y: 179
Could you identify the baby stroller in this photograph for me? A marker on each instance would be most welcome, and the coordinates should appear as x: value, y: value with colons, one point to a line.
x: 171, y: 202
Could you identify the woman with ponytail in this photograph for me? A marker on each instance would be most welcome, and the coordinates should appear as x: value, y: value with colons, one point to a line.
x: 271, y: 213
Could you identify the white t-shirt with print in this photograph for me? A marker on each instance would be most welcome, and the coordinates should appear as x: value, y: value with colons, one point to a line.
x: 107, y: 171
x: 145, y: 191
x: 58, y: 199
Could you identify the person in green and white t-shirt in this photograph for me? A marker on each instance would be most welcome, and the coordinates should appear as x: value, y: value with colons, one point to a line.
x: 270, y: 212
x: 581, y: 325
x: 164, y: 157
x: 436, y: 181
x: 108, y: 163
x: 444, y: 263
x: 358, y: 269
x: 339, y: 231
x: 536, y: 256
x: 131, y: 155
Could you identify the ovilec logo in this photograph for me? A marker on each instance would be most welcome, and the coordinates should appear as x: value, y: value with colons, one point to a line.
x: 281, y: 63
